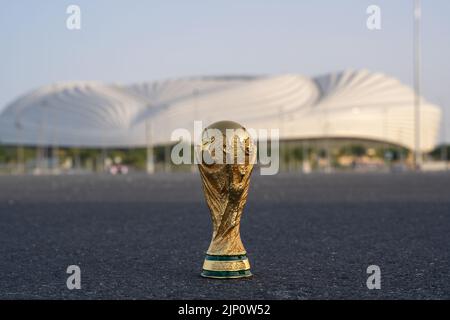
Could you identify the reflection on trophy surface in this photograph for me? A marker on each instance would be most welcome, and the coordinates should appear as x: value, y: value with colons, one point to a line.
x: 225, y: 169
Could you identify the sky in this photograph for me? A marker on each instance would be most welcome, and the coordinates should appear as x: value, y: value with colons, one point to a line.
x: 128, y: 41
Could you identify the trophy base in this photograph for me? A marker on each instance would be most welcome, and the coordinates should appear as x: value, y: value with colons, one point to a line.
x: 226, y: 267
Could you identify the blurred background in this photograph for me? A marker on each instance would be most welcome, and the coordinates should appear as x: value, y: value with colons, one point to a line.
x: 357, y: 89
x: 106, y: 97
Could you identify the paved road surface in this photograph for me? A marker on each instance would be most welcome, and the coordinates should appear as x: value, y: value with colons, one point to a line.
x: 307, y: 237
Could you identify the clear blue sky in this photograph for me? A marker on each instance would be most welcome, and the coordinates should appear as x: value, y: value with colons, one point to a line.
x: 138, y: 40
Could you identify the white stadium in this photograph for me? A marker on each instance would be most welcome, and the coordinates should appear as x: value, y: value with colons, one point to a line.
x: 348, y: 105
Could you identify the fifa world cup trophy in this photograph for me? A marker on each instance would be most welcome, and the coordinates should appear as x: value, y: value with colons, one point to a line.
x: 227, y: 157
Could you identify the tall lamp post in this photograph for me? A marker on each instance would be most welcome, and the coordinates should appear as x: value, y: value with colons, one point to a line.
x: 149, y: 143
x: 417, y: 63
x: 444, y: 151
x: 19, y: 146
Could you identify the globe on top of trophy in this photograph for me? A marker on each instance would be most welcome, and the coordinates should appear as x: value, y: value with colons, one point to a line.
x: 227, y: 156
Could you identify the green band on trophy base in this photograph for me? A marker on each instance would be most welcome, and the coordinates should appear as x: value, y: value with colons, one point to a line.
x: 226, y: 267
x: 226, y: 274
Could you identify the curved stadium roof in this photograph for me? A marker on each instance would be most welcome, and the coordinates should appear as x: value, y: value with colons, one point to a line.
x: 349, y: 104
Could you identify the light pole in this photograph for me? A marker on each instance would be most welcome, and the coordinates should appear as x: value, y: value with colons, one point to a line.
x: 19, y: 146
x: 148, y: 136
x: 444, y: 152
x: 41, y: 139
x: 326, y: 142
x: 195, y: 94
x: 417, y: 63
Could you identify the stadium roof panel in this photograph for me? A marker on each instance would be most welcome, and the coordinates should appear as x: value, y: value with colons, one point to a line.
x: 347, y: 104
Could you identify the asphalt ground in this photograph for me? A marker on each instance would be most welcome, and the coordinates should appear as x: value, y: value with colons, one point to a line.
x: 307, y: 237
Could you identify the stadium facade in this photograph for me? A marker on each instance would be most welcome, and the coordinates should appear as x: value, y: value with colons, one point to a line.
x: 342, y: 105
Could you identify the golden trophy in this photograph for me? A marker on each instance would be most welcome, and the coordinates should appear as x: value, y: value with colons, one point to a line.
x: 226, y: 177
